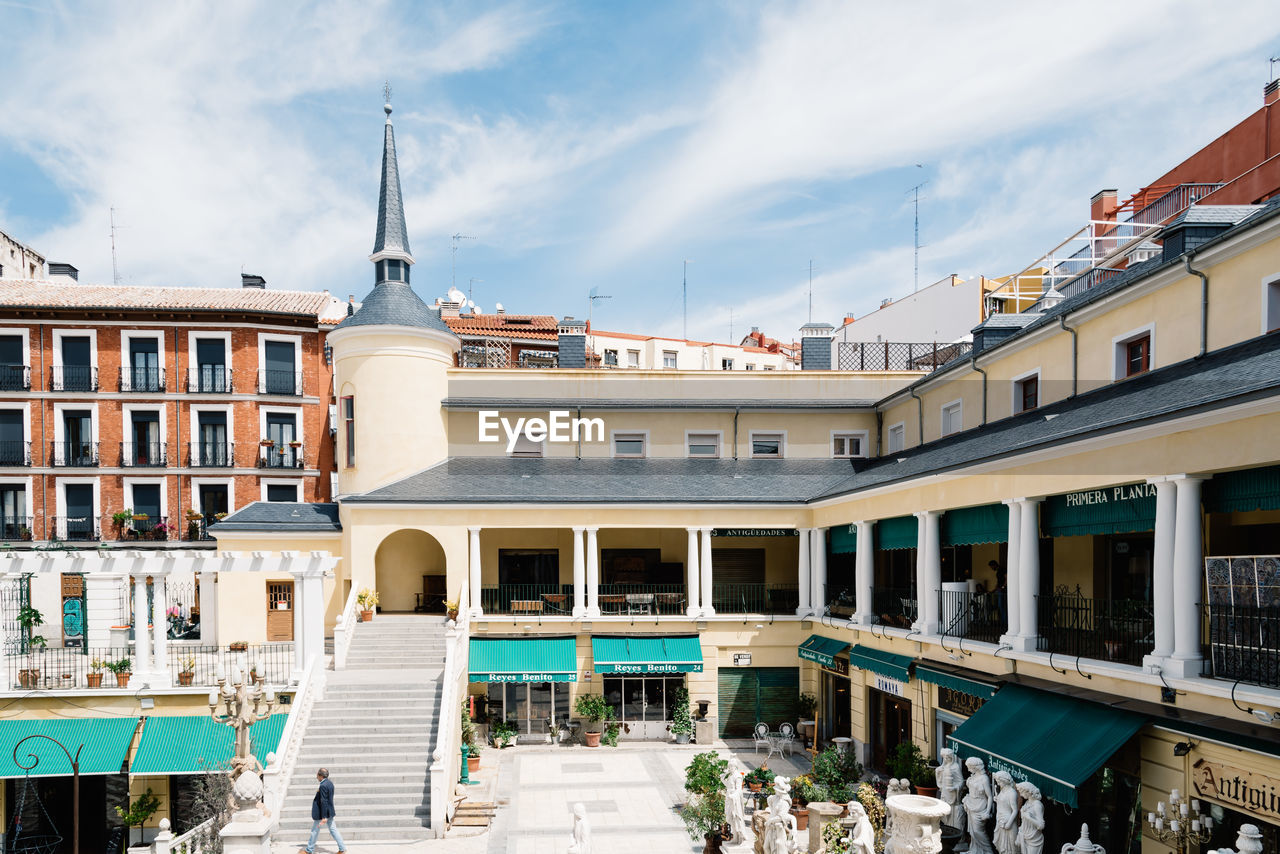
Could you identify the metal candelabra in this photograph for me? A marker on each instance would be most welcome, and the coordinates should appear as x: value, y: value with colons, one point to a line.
x: 1182, y: 825
x: 242, y: 699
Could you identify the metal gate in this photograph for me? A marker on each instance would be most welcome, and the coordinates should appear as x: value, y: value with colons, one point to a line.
x: 74, y: 604
x: 15, y: 594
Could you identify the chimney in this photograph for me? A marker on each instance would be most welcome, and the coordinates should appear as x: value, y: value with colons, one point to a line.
x: 1103, y: 205
x: 351, y: 304
x: 815, y: 346
x: 1271, y: 93
x: 572, y: 343
x: 248, y: 280
x: 63, y: 271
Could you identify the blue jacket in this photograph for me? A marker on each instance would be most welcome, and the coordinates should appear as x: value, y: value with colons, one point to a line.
x: 322, y: 805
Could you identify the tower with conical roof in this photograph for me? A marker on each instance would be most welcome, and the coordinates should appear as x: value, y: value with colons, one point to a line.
x: 390, y: 359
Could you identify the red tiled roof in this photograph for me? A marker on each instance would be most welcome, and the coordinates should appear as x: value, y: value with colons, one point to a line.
x: 70, y: 295
x: 543, y: 327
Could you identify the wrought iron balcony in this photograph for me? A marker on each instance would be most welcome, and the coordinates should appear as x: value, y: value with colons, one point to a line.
x: 15, y: 378
x: 74, y: 454
x: 142, y: 380
x: 74, y: 528
x: 196, y: 527
x: 144, y: 454
x: 14, y: 452
x: 976, y: 616
x: 280, y: 382
x: 143, y: 528
x: 746, y: 598
x: 286, y: 456
x: 209, y: 379
x: 211, y: 454
x: 1121, y: 630
x: 894, y: 606
x: 1243, y: 644
x: 189, y: 665
x: 73, y: 378
x: 16, y: 528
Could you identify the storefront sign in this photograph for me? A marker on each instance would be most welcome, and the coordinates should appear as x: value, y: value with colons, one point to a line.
x: 648, y: 668
x: 890, y: 686
x: 958, y: 701
x: 1254, y: 793
x: 1111, y: 495
x: 522, y: 677
x: 755, y: 532
x: 838, y: 666
x: 742, y: 659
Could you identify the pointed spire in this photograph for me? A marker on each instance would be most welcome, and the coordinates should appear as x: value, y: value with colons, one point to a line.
x: 392, y: 240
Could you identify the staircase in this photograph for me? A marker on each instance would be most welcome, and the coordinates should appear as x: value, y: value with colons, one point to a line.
x: 374, y: 730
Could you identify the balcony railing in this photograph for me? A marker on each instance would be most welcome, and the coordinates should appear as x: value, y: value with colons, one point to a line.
x: 288, y: 456
x: 280, y: 382
x: 1173, y: 202
x: 14, y: 452
x: 145, y: 528
x: 209, y: 379
x: 74, y: 528
x: 894, y: 606
x: 16, y: 528
x: 643, y: 599
x: 976, y: 616
x: 71, y: 668
x: 739, y: 598
x: 1244, y: 644
x: 144, y: 454
x: 196, y: 529
x: 840, y: 601
x: 897, y: 356
x: 211, y: 454
x: 142, y: 380
x: 551, y: 600
x: 74, y: 454
x: 556, y: 600
x: 1121, y: 630
x: 15, y: 378
x: 73, y: 378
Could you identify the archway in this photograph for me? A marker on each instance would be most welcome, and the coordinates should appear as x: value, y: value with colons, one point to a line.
x: 409, y: 569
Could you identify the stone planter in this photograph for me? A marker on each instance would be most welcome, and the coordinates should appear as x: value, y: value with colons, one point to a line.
x: 916, y: 823
x: 593, y: 738
x: 951, y: 837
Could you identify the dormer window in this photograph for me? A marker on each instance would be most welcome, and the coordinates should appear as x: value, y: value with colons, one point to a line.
x: 393, y: 270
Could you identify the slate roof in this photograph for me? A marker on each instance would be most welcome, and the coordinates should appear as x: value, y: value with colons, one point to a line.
x: 393, y: 235
x: 395, y: 304
x: 281, y: 516
x: 1214, y: 215
x: 599, y: 403
x: 49, y: 295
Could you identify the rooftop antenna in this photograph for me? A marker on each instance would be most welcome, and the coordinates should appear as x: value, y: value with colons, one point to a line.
x: 811, y: 290
x: 731, y: 325
x: 684, y: 297
x: 453, y: 272
x: 471, y: 286
x: 593, y: 295
x: 1271, y: 73
x: 115, y: 267
x: 915, y: 202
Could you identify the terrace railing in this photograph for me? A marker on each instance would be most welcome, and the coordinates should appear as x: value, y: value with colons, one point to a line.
x: 976, y: 616
x: 1120, y: 630
x: 748, y: 598
x: 71, y: 668
x: 897, y: 355
x: 548, y: 600
x: 1243, y: 644
x: 894, y: 606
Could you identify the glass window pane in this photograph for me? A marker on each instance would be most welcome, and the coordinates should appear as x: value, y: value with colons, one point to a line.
x: 674, y: 684
x: 654, y: 705
x: 613, y: 694
x: 495, y: 708
x: 633, y: 699
x: 561, y: 697
x: 539, y: 706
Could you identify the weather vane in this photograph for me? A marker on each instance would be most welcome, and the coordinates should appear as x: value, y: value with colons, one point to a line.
x: 386, y: 91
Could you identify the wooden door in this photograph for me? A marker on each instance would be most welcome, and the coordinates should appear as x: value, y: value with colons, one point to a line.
x: 279, y: 610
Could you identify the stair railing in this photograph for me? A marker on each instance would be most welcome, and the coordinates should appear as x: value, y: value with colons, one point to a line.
x: 343, y: 629
x: 446, y: 759
x: 280, y: 764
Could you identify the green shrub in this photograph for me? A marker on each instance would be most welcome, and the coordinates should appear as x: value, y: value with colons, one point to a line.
x: 502, y: 732
x: 593, y: 707
x: 705, y: 774
x: 681, y: 722
x: 907, y: 761
x: 837, y: 769
x: 703, y: 815
x: 761, y: 775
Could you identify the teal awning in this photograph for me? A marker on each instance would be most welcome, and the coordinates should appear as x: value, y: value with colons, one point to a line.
x: 940, y: 674
x: 896, y: 533
x: 971, y: 525
x: 105, y: 745
x: 196, y: 744
x: 1053, y: 741
x: 822, y: 650
x: 523, y: 660
x: 647, y: 654
x: 1244, y: 490
x: 1111, y: 510
x: 889, y: 664
x: 844, y: 539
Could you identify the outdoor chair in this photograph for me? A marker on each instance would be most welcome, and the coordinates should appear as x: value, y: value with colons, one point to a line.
x: 761, y: 736
x: 612, y: 603
x: 639, y: 603
x: 670, y: 603
x: 526, y: 606
x: 788, y: 733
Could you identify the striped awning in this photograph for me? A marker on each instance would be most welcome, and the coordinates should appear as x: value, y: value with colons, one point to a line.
x: 523, y: 660
x: 197, y: 744
x: 822, y: 650
x: 103, y: 745
x: 890, y: 664
x: 955, y: 678
x: 644, y: 654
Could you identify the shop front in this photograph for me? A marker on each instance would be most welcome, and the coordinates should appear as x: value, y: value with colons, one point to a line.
x: 888, y: 703
x: 642, y: 676
x: 834, y: 710
x: 1236, y: 787
x: 527, y: 681
x: 961, y: 693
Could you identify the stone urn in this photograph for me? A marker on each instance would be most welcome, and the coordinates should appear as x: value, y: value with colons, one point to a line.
x: 916, y: 823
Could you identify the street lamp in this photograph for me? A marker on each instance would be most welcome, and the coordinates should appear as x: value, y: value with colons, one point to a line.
x: 75, y: 780
x: 241, y: 701
x: 1182, y: 825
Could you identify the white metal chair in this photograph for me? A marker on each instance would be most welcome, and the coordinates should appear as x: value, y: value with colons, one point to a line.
x: 788, y: 733
x: 761, y: 735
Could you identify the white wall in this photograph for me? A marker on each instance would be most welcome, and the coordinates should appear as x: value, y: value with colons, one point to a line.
x: 942, y: 312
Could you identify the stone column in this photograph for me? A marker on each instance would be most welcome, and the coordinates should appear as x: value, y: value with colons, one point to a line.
x: 1188, y: 579
x: 474, y: 571
x: 704, y: 566
x: 691, y: 569
x: 593, y: 574
x: 821, y: 813
x: 160, y: 630
x: 1162, y: 582
x: 1028, y: 573
x: 312, y: 614
x: 805, y: 578
x: 865, y: 574
x: 141, y: 635
x: 579, y: 575
x: 818, y: 569
x: 930, y: 584
x: 1013, y: 578
x: 208, y: 608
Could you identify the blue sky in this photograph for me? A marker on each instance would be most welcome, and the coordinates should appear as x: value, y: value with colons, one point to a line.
x: 600, y: 145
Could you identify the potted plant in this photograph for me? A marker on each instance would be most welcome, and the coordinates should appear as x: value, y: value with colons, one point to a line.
x: 367, y: 600
x: 451, y: 608
x: 594, y: 709
x: 238, y: 646
x: 266, y: 443
x: 758, y: 778
x: 838, y: 772
x: 469, y: 739
x: 502, y: 733
x: 803, y: 791
x: 906, y: 761
x: 188, y: 672
x: 194, y: 518
x: 296, y: 443
x: 120, y: 518
x: 160, y: 531
x: 139, y: 811
x: 29, y: 619
x: 93, y: 679
x: 681, y: 722
x: 123, y: 669
x: 807, y: 703
x: 703, y: 813
x: 24, y: 532
x: 612, y: 728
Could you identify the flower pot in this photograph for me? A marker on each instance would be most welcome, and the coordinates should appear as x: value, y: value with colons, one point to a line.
x: 186, y: 677
x: 755, y: 787
x: 93, y: 680
x: 473, y: 763
x: 682, y: 738
x: 714, y: 841
x: 366, y: 616
x: 238, y: 647
x: 802, y: 817
x: 29, y: 678
x: 122, y: 680
x: 593, y: 738
x: 452, y: 615
x: 927, y: 791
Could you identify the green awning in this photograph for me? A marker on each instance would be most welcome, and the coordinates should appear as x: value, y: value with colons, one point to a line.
x: 195, y: 744
x: 896, y: 533
x: 941, y: 674
x: 1111, y: 510
x: 1053, y: 741
x: 1241, y: 491
x: 647, y: 654
x: 523, y: 660
x: 970, y: 525
x: 844, y: 539
x: 106, y: 744
x: 889, y: 664
x: 822, y: 650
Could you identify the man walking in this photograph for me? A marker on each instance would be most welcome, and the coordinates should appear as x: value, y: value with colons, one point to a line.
x: 322, y: 810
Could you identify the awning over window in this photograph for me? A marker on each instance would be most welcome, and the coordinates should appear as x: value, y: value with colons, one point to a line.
x: 970, y: 525
x: 644, y: 654
x: 195, y: 744
x: 1110, y: 510
x: 822, y: 650
x: 889, y: 664
x: 1241, y: 491
x: 844, y: 539
x: 1053, y: 741
x: 106, y: 744
x: 523, y: 660
x: 937, y: 673
x: 896, y: 533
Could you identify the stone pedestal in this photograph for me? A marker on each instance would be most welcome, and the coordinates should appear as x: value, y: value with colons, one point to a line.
x: 916, y: 822
x: 247, y: 834
x: 821, y: 813
x: 704, y: 731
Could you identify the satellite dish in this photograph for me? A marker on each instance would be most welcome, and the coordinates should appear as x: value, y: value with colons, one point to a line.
x: 470, y: 304
x: 475, y: 309
x: 497, y: 306
x: 457, y: 296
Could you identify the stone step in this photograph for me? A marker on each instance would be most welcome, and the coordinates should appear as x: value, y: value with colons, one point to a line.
x: 327, y: 715
x: 362, y: 833
x: 391, y: 812
x: 353, y: 795
x: 349, y: 774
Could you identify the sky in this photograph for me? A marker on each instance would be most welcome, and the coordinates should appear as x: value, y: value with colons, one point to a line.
x: 603, y: 145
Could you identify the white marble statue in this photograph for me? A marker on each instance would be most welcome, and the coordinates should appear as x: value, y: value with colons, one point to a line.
x: 950, y: 780
x: 862, y: 836
x: 734, y: 812
x: 1005, y: 835
x: 1249, y: 840
x: 580, y: 840
x: 1031, y: 831
x: 897, y: 787
x: 978, y: 805
x: 779, y: 828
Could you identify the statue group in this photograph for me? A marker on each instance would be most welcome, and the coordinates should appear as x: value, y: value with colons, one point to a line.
x: 1018, y: 812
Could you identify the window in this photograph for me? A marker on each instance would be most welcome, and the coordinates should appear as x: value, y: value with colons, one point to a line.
x: 146, y: 448
x: 78, y: 447
x: 526, y: 447
x: 669, y: 359
x: 845, y: 445
x: 280, y: 368
x: 1134, y: 353
x: 143, y: 371
x: 726, y: 364
x: 952, y: 417
x: 633, y: 358
x: 611, y: 358
x: 210, y: 374
x: 76, y: 371
x: 281, y: 492
x: 13, y: 363
x: 749, y: 367
x: 1028, y: 394
x: 629, y: 444
x: 282, y: 431
x: 703, y: 445
x: 897, y: 437
x: 212, y: 447
x: 13, y: 438
x: 14, y: 524
x: 349, y: 421
x: 1137, y: 356
x: 1271, y: 306
x: 766, y: 444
